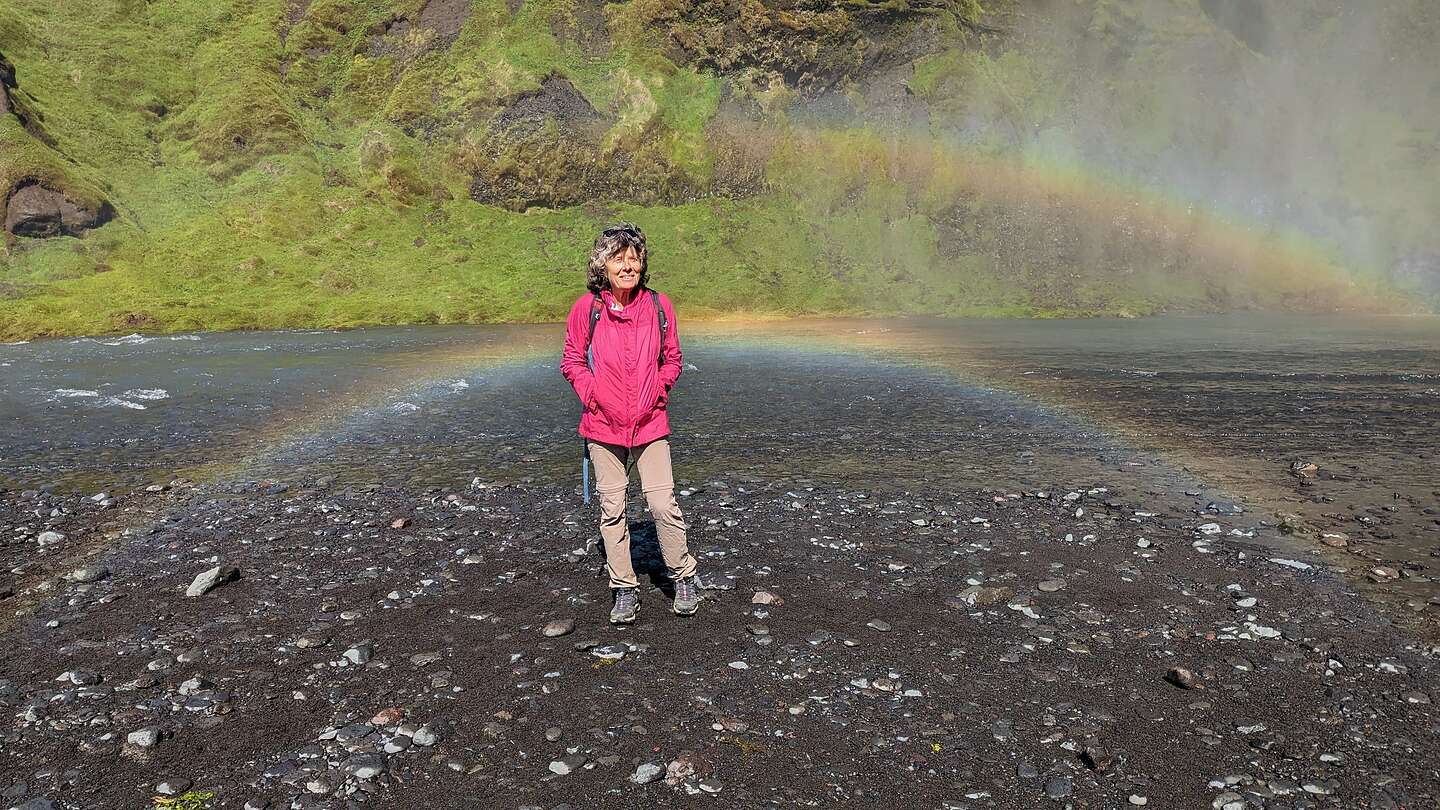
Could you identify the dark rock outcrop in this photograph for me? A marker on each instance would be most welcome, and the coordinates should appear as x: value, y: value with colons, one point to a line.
x: 36, y: 211
x: 7, y: 82
x: 445, y: 17
x: 556, y: 99
x: 545, y: 149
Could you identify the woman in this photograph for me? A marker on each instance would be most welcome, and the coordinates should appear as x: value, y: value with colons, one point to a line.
x: 622, y: 356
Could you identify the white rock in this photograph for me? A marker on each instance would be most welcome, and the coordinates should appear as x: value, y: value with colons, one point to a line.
x: 1296, y: 564
x: 146, y: 737
x: 647, y: 772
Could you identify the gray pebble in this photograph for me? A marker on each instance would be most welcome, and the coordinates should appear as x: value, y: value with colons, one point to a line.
x: 173, y: 787
x: 647, y: 772
x: 147, y: 737
x: 559, y: 627
x: 568, y: 765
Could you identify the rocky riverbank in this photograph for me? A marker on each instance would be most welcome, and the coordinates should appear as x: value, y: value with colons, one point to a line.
x: 1039, y: 647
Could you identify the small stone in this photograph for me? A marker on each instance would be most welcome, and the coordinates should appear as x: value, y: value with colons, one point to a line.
x: 400, y: 523
x: 878, y: 624
x: 1183, y: 678
x: 980, y: 596
x: 757, y: 629
x: 80, y: 677
x: 553, y: 734
x: 1229, y: 800
x: 1137, y: 800
x: 425, y: 659
x: 365, y: 766
x: 353, y: 732
x: 680, y: 768
x: 193, y: 685
x: 173, y: 787
x: 1058, y: 786
x: 207, y: 581
x: 147, y: 737
x: 559, y: 627
x: 1052, y: 585
x: 89, y: 573
x: 1097, y: 757
x: 647, y: 772
x: 424, y: 737
x: 568, y: 765
x: 739, y: 665
x: 766, y: 598
x: 49, y: 538
x: 359, y: 653
x: 388, y: 717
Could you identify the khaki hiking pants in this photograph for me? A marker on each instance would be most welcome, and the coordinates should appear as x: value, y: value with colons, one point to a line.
x: 658, y: 484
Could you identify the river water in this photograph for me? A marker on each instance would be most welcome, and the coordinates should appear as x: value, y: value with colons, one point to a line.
x: 1216, y: 407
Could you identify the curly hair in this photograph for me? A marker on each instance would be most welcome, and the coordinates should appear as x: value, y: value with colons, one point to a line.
x: 611, y: 241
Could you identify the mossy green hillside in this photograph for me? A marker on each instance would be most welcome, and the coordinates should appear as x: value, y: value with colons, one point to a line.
x: 338, y: 163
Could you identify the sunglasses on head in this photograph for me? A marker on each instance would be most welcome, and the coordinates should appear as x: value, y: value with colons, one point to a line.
x: 625, y: 229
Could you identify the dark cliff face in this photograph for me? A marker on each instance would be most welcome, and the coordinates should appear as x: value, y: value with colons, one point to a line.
x: 7, y: 81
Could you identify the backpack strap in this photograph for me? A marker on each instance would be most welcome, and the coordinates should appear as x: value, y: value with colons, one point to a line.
x: 596, y: 305
x: 664, y: 324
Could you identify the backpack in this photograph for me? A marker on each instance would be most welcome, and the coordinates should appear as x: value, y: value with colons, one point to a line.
x: 597, y: 306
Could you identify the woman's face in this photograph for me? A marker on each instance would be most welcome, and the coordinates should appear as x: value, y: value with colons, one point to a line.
x: 623, y: 270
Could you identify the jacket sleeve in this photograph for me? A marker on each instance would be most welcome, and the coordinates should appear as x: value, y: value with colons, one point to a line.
x: 572, y: 359
x: 671, y: 363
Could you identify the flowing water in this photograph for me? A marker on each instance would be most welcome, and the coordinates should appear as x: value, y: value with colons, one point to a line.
x: 1216, y: 407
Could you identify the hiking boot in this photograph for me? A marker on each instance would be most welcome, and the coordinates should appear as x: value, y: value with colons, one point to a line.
x: 687, y: 596
x: 627, y: 606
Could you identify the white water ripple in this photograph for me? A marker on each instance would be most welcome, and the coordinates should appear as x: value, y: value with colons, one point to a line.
x: 117, y: 402
x: 148, y: 393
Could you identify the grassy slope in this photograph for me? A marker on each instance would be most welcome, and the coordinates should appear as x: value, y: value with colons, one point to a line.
x: 250, y: 201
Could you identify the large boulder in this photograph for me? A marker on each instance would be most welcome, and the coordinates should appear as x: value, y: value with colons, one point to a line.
x: 37, y: 211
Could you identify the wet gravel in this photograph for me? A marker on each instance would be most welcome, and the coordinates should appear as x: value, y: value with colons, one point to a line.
x: 1082, y: 644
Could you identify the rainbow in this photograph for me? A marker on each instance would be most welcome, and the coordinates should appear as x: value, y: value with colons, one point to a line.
x: 1223, y: 249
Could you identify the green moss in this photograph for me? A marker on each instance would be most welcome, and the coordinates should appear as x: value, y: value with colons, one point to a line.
x: 240, y: 112
x: 687, y: 100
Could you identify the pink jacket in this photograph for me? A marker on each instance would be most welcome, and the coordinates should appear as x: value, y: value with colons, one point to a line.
x: 624, y: 398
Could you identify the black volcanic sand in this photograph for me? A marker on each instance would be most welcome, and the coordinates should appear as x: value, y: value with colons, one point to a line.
x: 952, y: 648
